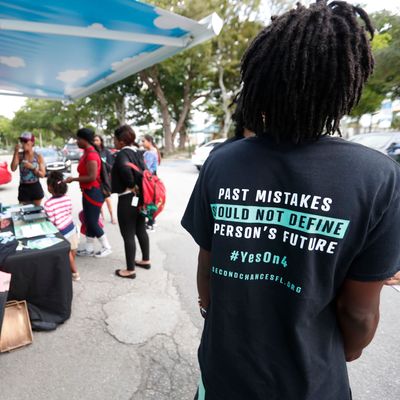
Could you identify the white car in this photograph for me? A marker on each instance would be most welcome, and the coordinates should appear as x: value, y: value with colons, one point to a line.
x: 381, y: 141
x: 201, y: 153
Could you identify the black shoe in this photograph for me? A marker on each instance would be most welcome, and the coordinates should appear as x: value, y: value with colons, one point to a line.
x: 144, y: 266
x: 131, y: 276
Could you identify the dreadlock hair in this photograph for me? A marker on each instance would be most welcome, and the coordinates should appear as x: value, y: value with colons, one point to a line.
x: 306, y: 70
x: 55, y: 180
x: 237, y: 117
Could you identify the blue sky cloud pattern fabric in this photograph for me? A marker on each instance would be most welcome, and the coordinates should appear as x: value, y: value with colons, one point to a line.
x: 57, y: 66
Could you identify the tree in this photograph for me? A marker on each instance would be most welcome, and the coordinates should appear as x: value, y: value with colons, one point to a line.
x: 387, y: 56
x: 51, y: 118
x: 385, y: 80
x: 7, y: 135
x: 177, y: 83
x: 122, y: 101
x: 204, y: 72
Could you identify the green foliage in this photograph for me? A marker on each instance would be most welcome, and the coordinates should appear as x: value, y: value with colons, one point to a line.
x: 7, y: 135
x: 370, y: 101
x: 205, y: 77
x: 386, y: 78
x: 52, y: 118
x: 396, y: 123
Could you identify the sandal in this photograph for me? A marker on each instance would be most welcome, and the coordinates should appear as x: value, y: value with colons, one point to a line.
x: 130, y: 276
x: 141, y: 265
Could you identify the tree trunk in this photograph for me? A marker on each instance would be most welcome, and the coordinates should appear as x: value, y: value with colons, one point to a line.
x: 151, y: 80
x: 187, y: 102
x: 182, y: 138
x: 120, y: 110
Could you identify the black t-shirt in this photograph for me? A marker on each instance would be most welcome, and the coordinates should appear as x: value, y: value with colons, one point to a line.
x: 286, y: 224
x: 123, y: 176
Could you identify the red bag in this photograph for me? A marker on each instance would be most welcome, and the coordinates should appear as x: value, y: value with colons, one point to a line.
x: 153, y: 191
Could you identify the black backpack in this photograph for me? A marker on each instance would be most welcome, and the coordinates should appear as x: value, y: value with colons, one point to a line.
x: 105, y: 176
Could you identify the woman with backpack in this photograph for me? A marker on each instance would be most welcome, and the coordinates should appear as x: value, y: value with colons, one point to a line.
x: 89, y: 169
x: 152, y: 159
x: 128, y: 184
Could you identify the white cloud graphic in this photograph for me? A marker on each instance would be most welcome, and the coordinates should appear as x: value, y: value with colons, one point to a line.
x: 72, y: 75
x: 13, y: 62
x: 97, y: 25
x: 169, y: 21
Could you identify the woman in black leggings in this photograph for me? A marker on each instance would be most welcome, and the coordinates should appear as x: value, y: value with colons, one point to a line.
x: 127, y: 183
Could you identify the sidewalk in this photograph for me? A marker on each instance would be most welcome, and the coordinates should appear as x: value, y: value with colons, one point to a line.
x: 125, y: 339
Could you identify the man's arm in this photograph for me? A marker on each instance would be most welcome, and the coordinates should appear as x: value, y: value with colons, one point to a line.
x: 357, y: 310
x: 203, y: 277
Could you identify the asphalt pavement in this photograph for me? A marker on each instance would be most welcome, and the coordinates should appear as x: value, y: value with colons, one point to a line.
x: 137, y: 339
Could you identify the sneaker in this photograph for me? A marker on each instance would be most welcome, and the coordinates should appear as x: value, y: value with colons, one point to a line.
x: 85, y: 253
x: 76, y: 276
x: 103, y: 252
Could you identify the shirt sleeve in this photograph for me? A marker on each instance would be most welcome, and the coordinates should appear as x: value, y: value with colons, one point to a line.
x: 198, y: 219
x: 379, y: 258
x: 50, y: 211
x: 93, y: 156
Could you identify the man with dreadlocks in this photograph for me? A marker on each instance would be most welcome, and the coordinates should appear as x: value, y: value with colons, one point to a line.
x: 297, y: 229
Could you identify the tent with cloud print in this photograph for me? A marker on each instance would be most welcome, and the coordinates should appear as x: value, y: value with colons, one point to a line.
x: 67, y: 49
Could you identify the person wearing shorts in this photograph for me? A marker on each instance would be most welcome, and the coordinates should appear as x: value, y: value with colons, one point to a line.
x: 31, y: 167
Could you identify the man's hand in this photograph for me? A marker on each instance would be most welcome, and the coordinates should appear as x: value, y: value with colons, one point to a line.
x: 353, y: 356
x: 16, y: 148
x: 69, y: 179
x: 394, y: 280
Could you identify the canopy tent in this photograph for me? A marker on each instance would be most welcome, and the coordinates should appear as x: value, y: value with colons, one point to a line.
x: 67, y: 49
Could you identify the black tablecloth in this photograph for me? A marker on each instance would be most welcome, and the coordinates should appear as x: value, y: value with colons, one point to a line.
x: 43, y: 279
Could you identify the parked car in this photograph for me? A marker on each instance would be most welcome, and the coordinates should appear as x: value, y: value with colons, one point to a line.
x: 72, y: 152
x: 381, y: 141
x: 5, y: 174
x: 54, y: 159
x: 202, y: 152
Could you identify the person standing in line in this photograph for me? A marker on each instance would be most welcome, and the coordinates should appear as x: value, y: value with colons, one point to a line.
x: 294, y: 254
x: 108, y: 158
x: 31, y: 169
x: 127, y: 183
x: 59, y: 210
x: 151, y: 156
x: 152, y: 159
x: 92, y: 197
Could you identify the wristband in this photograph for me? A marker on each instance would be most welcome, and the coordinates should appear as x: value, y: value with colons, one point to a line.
x: 203, y: 312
